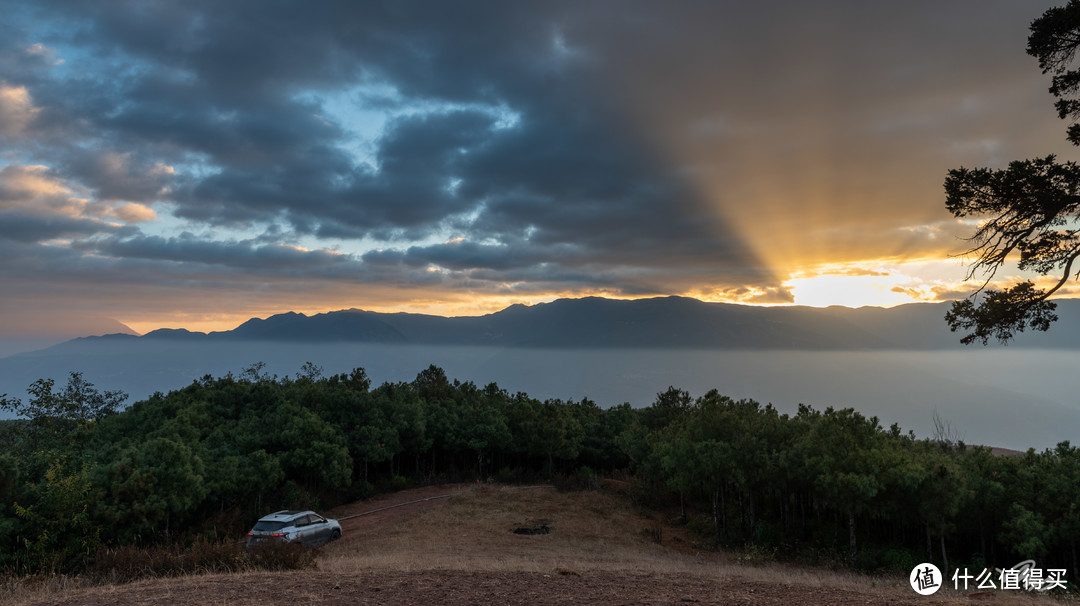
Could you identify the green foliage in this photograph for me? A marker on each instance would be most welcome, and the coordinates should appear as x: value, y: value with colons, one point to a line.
x: 842, y: 452
x: 153, y: 489
x: 899, y: 560
x: 79, y: 401
x: 1029, y: 209
x: 61, y: 534
x: 308, y: 447
x: 1024, y: 532
x: 206, y: 460
x: 56, y: 416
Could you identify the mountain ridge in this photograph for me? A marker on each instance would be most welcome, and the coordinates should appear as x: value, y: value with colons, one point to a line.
x: 899, y: 363
x: 659, y: 322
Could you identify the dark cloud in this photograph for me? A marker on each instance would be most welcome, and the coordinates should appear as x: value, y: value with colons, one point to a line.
x: 630, y: 147
x: 119, y: 176
x: 187, y: 248
x: 31, y: 229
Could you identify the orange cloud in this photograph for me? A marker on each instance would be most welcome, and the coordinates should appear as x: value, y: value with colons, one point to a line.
x: 133, y: 213
x: 17, y: 111
x: 34, y: 190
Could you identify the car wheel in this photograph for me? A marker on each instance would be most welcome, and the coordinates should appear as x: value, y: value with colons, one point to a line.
x: 335, y: 535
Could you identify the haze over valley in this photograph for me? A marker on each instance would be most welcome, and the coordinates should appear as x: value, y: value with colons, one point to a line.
x: 900, y: 364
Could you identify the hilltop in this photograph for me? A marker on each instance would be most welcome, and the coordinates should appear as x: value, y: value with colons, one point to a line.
x: 461, y: 550
x: 595, y: 322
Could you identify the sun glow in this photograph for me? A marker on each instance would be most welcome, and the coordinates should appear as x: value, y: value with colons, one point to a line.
x: 880, y: 283
x: 851, y: 291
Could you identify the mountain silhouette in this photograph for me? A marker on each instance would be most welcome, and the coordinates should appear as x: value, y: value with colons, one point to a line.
x: 664, y: 322
x: 900, y: 362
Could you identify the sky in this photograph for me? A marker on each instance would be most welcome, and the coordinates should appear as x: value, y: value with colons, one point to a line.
x: 195, y: 164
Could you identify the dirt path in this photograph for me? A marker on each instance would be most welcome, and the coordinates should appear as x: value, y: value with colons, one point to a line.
x: 394, y: 506
x: 459, y: 588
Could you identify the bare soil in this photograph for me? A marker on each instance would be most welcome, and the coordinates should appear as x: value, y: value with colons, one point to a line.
x: 455, y: 587
x: 462, y: 550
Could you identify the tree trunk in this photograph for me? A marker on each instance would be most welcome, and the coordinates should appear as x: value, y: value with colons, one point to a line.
x: 785, y: 512
x: 716, y: 514
x: 929, y: 548
x: 753, y: 516
x: 944, y: 556
x: 1076, y: 569
x: 742, y: 515
x: 851, y: 537
x: 802, y: 513
x: 835, y: 526
x: 982, y: 539
x: 723, y: 507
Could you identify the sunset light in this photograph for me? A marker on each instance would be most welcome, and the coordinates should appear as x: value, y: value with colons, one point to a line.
x: 850, y: 291
x: 875, y: 283
x: 683, y: 160
x: 722, y: 284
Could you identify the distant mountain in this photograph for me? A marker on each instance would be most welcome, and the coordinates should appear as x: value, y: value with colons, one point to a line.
x: 900, y: 363
x: 667, y: 322
x: 30, y: 331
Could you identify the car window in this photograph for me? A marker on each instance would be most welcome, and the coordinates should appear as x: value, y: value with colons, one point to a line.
x: 302, y: 521
x: 268, y: 526
x: 317, y: 519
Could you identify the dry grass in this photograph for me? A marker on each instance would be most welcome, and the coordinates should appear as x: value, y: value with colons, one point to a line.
x: 591, y: 532
x: 25, y: 590
x: 473, y: 531
x: 595, y: 537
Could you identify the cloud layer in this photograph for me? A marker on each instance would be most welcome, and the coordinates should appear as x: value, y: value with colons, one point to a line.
x: 257, y: 156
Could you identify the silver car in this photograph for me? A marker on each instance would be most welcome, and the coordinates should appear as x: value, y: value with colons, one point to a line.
x: 303, y: 527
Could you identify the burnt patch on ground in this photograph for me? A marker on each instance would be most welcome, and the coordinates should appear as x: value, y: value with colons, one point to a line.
x: 533, y: 527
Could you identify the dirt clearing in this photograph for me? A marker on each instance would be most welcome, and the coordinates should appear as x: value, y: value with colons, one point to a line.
x: 463, y: 550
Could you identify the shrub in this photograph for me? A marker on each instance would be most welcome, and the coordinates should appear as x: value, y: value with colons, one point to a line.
x: 898, y: 560
x: 281, y: 556
x: 582, y: 479
x: 129, y: 563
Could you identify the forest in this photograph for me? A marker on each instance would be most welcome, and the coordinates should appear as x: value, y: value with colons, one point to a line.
x: 80, y: 472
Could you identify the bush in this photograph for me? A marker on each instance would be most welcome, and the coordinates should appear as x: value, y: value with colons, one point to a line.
x: 582, y: 479
x: 757, y: 554
x: 508, y: 475
x: 361, y: 489
x: 765, y: 534
x: 398, y: 483
x: 281, y: 556
x: 129, y: 563
x: 898, y: 560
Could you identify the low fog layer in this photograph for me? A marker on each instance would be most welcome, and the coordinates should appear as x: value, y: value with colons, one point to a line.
x: 1012, y: 398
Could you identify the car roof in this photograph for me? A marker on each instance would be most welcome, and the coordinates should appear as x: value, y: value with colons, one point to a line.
x: 284, y: 515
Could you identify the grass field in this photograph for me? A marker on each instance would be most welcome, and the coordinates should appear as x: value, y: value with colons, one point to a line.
x: 462, y: 550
